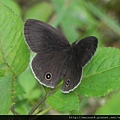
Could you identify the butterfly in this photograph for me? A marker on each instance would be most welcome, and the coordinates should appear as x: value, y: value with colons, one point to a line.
x: 55, y: 58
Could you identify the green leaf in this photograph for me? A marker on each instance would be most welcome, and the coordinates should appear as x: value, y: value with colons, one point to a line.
x: 41, y: 11
x: 101, y: 75
x: 25, y: 78
x: 5, y: 91
x: 26, y: 100
x: 14, y: 55
x: 12, y: 5
x: 63, y: 102
x: 111, y: 105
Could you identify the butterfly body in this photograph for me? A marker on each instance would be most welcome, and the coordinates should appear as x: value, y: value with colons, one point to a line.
x: 56, y: 59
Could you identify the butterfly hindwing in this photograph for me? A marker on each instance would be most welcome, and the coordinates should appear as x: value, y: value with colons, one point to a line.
x: 73, y: 75
x: 82, y: 53
x: 48, y: 67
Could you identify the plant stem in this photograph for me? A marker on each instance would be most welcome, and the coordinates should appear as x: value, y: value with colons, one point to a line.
x: 42, y: 100
x: 13, y: 110
x: 36, y: 105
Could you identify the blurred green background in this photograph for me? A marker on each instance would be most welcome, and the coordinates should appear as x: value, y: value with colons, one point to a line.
x: 76, y: 19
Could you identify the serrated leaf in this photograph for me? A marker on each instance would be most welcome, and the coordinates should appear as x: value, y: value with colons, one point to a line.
x: 63, y: 102
x: 101, y: 75
x: 39, y: 11
x: 14, y: 55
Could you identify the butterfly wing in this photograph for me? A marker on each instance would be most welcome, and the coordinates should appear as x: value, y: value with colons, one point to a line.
x: 85, y: 49
x: 42, y: 37
x: 73, y: 75
x: 48, y: 67
x: 83, y: 52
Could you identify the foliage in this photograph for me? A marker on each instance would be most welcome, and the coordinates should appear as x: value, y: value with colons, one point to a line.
x: 19, y: 90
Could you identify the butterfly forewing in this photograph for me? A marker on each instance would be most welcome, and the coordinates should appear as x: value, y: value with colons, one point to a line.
x: 85, y: 49
x: 48, y: 67
x: 42, y: 37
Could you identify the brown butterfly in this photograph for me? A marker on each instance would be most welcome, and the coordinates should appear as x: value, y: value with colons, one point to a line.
x: 56, y: 58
